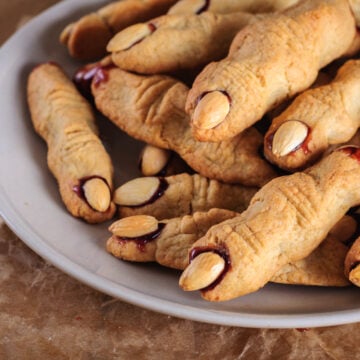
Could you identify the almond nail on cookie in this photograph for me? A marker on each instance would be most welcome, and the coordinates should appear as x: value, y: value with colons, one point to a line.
x: 286, y: 220
x: 316, y: 119
x: 76, y: 155
x: 152, y: 109
x: 269, y: 61
x: 229, y: 6
x: 143, y: 238
x: 177, y: 195
x: 86, y: 38
x: 171, y: 43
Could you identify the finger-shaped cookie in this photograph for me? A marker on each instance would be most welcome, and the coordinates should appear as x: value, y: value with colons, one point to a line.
x: 229, y: 6
x: 76, y: 156
x: 352, y: 263
x: 316, y: 119
x: 151, y: 109
x: 177, y: 195
x: 87, y: 38
x: 143, y: 238
x: 175, y: 42
x: 285, y: 221
x: 323, y: 267
x: 270, y: 60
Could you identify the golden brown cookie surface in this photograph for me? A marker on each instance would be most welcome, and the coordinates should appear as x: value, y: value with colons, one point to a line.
x: 269, y: 61
x: 151, y: 109
x: 144, y: 238
x: 175, y: 42
x: 177, y: 195
x: 229, y: 6
x: 86, y: 39
x: 76, y: 156
x: 286, y: 220
x: 317, y: 118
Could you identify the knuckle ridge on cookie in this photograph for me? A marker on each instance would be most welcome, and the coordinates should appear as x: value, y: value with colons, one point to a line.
x: 175, y: 42
x: 184, y: 194
x: 170, y: 247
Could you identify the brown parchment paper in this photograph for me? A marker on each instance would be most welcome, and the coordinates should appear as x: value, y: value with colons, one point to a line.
x: 45, y: 314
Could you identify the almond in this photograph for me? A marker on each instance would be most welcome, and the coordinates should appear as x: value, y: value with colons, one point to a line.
x: 211, y: 110
x: 126, y: 38
x: 134, y: 226
x: 189, y: 7
x: 202, y: 271
x: 288, y: 137
x: 154, y: 160
x: 97, y: 194
x: 136, y: 192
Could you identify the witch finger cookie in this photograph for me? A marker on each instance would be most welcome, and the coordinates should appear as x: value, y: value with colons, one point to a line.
x: 76, y: 155
x: 86, y: 38
x: 316, y: 119
x: 269, y: 61
x: 285, y: 221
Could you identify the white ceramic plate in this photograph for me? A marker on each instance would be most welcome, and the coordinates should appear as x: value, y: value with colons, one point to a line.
x: 31, y: 206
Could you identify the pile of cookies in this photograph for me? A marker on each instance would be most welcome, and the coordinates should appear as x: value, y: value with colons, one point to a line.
x: 249, y: 113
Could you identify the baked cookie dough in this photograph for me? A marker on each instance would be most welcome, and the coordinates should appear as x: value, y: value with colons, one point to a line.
x: 76, y: 155
x: 286, y: 220
x: 270, y: 60
x: 151, y: 109
x: 86, y: 38
x: 316, y: 119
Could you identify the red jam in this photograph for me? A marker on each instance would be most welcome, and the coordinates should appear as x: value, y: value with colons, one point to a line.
x: 102, y: 75
x: 141, y: 241
x: 152, y: 27
x: 84, y: 77
x: 163, y: 185
x: 352, y: 151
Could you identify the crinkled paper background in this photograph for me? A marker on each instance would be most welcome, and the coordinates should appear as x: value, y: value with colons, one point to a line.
x: 45, y: 314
